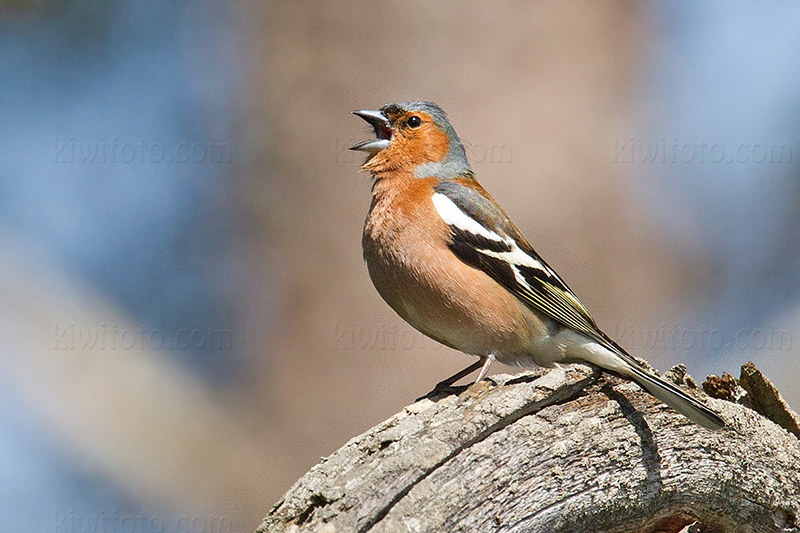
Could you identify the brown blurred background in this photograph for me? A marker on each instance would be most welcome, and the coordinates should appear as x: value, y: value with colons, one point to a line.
x: 597, y: 125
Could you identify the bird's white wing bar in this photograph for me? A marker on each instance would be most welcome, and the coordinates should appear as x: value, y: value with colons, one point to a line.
x: 454, y: 216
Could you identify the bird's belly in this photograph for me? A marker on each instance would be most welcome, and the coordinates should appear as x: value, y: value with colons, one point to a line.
x: 460, y: 307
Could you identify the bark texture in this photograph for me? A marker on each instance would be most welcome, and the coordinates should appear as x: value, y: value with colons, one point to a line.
x: 561, y: 450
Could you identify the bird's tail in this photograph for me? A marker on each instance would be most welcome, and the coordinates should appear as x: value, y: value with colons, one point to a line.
x: 619, y: 362
x: 675, y: 398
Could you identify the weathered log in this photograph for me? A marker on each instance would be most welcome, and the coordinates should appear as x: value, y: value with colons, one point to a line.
x: 562, y: 450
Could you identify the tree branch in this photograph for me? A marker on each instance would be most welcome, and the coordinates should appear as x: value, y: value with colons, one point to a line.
x: 562, y: 450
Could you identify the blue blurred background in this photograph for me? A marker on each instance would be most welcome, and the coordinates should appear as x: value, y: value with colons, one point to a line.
x: 187, y: 322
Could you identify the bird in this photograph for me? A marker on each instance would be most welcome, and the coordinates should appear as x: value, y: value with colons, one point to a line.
x: 447, y: 258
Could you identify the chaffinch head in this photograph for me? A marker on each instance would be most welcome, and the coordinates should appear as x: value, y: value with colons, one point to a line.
x: 447, y: 258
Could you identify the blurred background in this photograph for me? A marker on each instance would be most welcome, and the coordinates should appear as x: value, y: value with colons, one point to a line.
x: 187, y: 324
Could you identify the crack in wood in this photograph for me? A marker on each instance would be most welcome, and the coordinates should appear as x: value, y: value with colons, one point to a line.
x: 547, y: 508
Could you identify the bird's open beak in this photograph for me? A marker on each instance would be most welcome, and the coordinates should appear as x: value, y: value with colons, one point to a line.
x: 383, y: 131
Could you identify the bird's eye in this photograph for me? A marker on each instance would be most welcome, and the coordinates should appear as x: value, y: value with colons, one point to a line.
x: 414, y: 122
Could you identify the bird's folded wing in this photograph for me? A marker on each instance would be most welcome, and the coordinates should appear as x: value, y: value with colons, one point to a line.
x: 483, y: 236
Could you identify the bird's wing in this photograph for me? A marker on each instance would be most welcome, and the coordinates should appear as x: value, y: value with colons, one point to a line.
x: 483, y: 236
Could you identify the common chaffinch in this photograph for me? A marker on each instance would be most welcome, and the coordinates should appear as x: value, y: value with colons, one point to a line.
x: 447, y: 258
